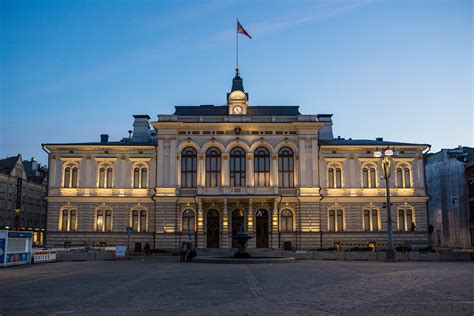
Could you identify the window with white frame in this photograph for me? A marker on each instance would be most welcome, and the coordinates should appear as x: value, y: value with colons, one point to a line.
x: 68, y: 219
x: 70, y: 178
x: 189, y: 168
x: 403, y: 176
x: 213, y: 167
x: 262, y: 167
x: 104, y: 220
x: 286, y: 221
x: 188, y: 221
x: 140, y: 177
x: 334, y: 177
x: 405, y: 219
x: 286, y: 168
x: 369, y: 177
x: 336, y: 220
x: 105, y: 176
x: 139, y: 220
x: 371, y: 220
x: 238, y: 167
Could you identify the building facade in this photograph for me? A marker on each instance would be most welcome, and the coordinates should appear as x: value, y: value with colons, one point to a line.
x: 205, y: 171
x: 470, y: 183
x: 448, y: 188
x: 22, y: 193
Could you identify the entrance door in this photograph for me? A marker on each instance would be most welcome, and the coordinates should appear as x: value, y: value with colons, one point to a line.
x: 262, y: 229
x: 237, y: 222
x: 213, y: 229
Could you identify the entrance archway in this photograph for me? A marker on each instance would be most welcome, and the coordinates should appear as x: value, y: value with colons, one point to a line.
x: 238, y: 220
x: 262, y: 228
x: 213, y: 229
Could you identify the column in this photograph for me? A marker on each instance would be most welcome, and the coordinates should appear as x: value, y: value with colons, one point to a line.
x: 302, y: 161
x: 225, y: 170
x: 274, y: 171
x: 172, y: 165
x: 200, y: 226
x: 274, y: 225
x: 225, y: 227
x: 161, y: 145
x: 178, y: 171
x: 250, y: 171
x: 314, y: 162
x: 250, y: 225
x: 201, y: 172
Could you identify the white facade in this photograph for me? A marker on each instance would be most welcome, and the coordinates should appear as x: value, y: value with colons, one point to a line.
x: 206, y: 170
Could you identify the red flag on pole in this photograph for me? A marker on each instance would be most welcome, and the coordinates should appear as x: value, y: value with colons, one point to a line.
x: 241, y: 30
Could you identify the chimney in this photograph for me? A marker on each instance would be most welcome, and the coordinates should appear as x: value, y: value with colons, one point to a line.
x: 141, y: 129
x: 104, y: 138
x: 325, y: 132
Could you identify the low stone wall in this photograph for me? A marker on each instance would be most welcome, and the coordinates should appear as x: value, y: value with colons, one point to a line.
x: 84, y: 256
x: 380, y: 256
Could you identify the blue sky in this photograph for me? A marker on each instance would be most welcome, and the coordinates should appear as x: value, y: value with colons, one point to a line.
x: 71, y: 70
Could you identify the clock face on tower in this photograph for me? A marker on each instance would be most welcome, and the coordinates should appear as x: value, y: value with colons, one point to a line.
x: 237, y: 110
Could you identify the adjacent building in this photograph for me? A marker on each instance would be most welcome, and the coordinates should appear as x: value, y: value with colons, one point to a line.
x: 22, y: 192
x: 205, y: 171
x: 448, y: 188
x: 470, y: 182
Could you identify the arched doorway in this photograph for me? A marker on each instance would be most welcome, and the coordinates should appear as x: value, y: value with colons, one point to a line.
x: 262, y: 228
x: 213, y: 229
x: 237, y: 221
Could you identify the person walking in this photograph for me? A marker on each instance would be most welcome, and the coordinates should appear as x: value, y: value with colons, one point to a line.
x: 183, y: 251
x: 147, y: 249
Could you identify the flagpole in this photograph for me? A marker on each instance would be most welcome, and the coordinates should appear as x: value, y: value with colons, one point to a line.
x: 237, y: 41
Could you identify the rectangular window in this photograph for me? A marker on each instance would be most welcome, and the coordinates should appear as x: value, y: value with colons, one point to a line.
x: 108, y: 220
x: 332, y: 220
x: 65, y: 219
x: 135, y: 221
x: 109, y: 177
x: 340, y: 221
x: 72, y: 220
x: 366, y: 220
x: 143, y: 221
x: 375, y: 220
x: 401, y: 220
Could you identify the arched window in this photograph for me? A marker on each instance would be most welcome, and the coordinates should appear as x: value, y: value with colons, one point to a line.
x: 405, y: 219
x: 371, y: 220
x: 213, y: 167
x: 105, y: 177
x: 369, y: 178
x: 104, y: 220
x: 334, y: 177
x: 74, y: 177
x: 136, y: 177
x: 286, y: 168
x: 188, y: 221
x: 139, y: 220
x: 262, y: 167
x: 67, y: 177
x: 336, y: 220
x: 286, y: 221
x: 188, y: 167
x: 68, y: 219
x: 237, y: 167
x: 403, y: 177
x: 140, y: 177
x: 70, y: 177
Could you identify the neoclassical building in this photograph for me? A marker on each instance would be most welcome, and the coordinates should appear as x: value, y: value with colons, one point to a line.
x: 204, y: 171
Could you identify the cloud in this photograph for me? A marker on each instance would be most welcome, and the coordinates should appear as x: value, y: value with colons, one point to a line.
x: 290, y: 20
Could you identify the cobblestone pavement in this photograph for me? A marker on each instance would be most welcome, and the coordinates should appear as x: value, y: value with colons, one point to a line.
x: 164, y: 286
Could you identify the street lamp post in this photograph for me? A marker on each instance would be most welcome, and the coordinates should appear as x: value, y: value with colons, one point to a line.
x: 17, y: 219
x: 386, y: 162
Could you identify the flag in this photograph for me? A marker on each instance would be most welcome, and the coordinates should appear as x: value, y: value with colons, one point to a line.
x: 241, y: 30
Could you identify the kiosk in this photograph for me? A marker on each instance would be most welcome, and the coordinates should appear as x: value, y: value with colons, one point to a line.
x: 15, y: 247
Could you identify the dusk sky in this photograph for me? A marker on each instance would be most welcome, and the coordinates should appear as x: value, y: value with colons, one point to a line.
x: 72, y: 70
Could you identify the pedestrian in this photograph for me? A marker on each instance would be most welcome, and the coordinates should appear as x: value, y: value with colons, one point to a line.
x: 147, y: 249
x: 183, y: 251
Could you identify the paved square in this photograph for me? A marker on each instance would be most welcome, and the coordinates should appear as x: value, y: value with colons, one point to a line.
x: 164, y: 286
